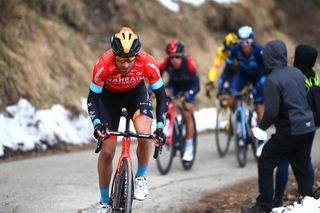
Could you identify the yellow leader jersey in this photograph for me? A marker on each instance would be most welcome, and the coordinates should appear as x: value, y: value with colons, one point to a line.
x: 221, y: 56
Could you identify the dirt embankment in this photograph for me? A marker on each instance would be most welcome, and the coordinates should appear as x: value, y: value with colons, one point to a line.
x: 48, y: 48
x: 232, y: 198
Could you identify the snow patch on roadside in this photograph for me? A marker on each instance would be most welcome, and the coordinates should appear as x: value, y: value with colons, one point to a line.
x: 173, y: 5
x: 23, y: 128
x: 308, y: 204
x: 26, y: 129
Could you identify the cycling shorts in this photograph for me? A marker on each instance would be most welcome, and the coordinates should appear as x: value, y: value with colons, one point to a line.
x: 175, y: 91
x: 136, y: 101
x: 240, y: 80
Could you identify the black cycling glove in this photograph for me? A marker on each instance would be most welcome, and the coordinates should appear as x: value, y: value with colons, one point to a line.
x: 160, y: 134
x: 209, y: 88
x: 99, y: 127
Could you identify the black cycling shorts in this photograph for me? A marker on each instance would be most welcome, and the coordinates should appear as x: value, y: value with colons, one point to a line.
x: 136, y: 101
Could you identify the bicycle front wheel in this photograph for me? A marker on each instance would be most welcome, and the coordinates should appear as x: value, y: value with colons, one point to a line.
x: 223, y: 131
x: 164, y: 161
x: 122, y: 189
x: 241, y: 145
x: 187, y: 165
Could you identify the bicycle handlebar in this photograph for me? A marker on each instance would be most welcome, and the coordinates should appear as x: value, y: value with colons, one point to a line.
x: 157, y: 150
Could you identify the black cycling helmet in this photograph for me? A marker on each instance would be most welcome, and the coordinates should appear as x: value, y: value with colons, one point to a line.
x: 175, y: 47
x: 125, y: 43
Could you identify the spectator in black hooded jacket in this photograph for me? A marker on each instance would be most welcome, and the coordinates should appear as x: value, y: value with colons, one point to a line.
x: 287, y: 108
x: 304, y: 59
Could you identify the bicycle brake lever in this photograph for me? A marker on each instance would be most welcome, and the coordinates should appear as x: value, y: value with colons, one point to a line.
x: 156, y: 153
x: 99, y: 145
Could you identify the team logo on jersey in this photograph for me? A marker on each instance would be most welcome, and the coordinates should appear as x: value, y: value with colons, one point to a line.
x: 97, y: 76
x: 153, y: 66
x: 125, y: 80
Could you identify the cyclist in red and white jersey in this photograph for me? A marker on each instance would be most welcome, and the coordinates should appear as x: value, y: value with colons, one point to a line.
x: 118, y: 82
x: 183, y: 79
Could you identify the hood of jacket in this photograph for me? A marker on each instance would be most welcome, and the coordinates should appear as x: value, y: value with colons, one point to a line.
x: 274, y: 55
x: 305, y: 58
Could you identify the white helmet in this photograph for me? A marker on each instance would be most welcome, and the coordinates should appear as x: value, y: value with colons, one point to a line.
x: 245, y: 32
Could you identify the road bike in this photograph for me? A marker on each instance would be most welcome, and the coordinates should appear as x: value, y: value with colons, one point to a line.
x: 244, y: 119
x: 122, y: 190
x: 175, y: 129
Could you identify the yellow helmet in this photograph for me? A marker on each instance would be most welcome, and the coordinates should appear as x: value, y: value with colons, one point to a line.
x: 125, y: 43
x: 230, y: 40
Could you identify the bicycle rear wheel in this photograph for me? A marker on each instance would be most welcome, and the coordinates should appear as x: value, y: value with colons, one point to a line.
x: 223, y: 131
x: 241, y: 145
x: 122, y: 189
x: 164, y: 161
x: 187, y: 165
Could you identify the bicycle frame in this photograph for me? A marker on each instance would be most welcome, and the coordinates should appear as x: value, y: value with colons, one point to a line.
x: 173, y: 106
x: 171, y: 112
x: 247, y: 95
x: 125, y: 152
x: 243, y: 119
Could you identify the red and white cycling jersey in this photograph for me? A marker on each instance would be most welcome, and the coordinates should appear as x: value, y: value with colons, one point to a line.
x: 106, y: 74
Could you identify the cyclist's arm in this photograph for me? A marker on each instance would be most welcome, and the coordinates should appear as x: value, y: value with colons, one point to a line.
x: 196, y: 84
x: 214, y: 71
x: 156, y: 84
x: 93, y: 109
x: 96, y: 87
x: 162, y: 104
x: 192, y: 69
x: 225, y: 73
x: 272, y: 105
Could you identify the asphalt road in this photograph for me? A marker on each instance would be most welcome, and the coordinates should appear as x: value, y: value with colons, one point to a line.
x: 68, y: 182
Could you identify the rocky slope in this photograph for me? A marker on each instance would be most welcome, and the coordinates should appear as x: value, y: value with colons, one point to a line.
x: 48, y: 48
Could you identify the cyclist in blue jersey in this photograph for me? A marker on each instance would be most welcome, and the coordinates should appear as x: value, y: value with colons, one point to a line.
x: 248, y: 53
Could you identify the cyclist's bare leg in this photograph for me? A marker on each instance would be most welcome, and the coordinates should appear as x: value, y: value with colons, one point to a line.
x: 142, y: 124
x: 187, y: 115
x: 105, y: 162
x: 259, y: 108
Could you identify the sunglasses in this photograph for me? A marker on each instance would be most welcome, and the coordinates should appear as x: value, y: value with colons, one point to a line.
x: 175, y: 56
x: 123, y: 59
x: 246, y: 41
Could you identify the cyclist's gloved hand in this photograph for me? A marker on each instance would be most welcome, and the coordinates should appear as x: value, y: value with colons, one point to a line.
x: 160, y: 134
x: 188, y: 94
x: 219, y: 93
x: 209, y: 88
x: 101, y: 128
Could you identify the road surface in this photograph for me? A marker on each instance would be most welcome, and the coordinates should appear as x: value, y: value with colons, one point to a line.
x: 68, y: 182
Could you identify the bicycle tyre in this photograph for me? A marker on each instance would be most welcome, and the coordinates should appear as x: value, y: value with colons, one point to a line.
x: 241, y: 145
x: 164, y: 161
x: 223, y: 145
x: 122, y: 189
x: 187, y: 165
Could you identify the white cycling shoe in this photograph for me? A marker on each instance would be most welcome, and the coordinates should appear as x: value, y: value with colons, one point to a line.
x: 188, y: 154
x: 104, y: 208
x: 141, y: 189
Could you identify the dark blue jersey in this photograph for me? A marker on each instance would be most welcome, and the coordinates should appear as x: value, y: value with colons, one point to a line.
x: 250, y: 65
